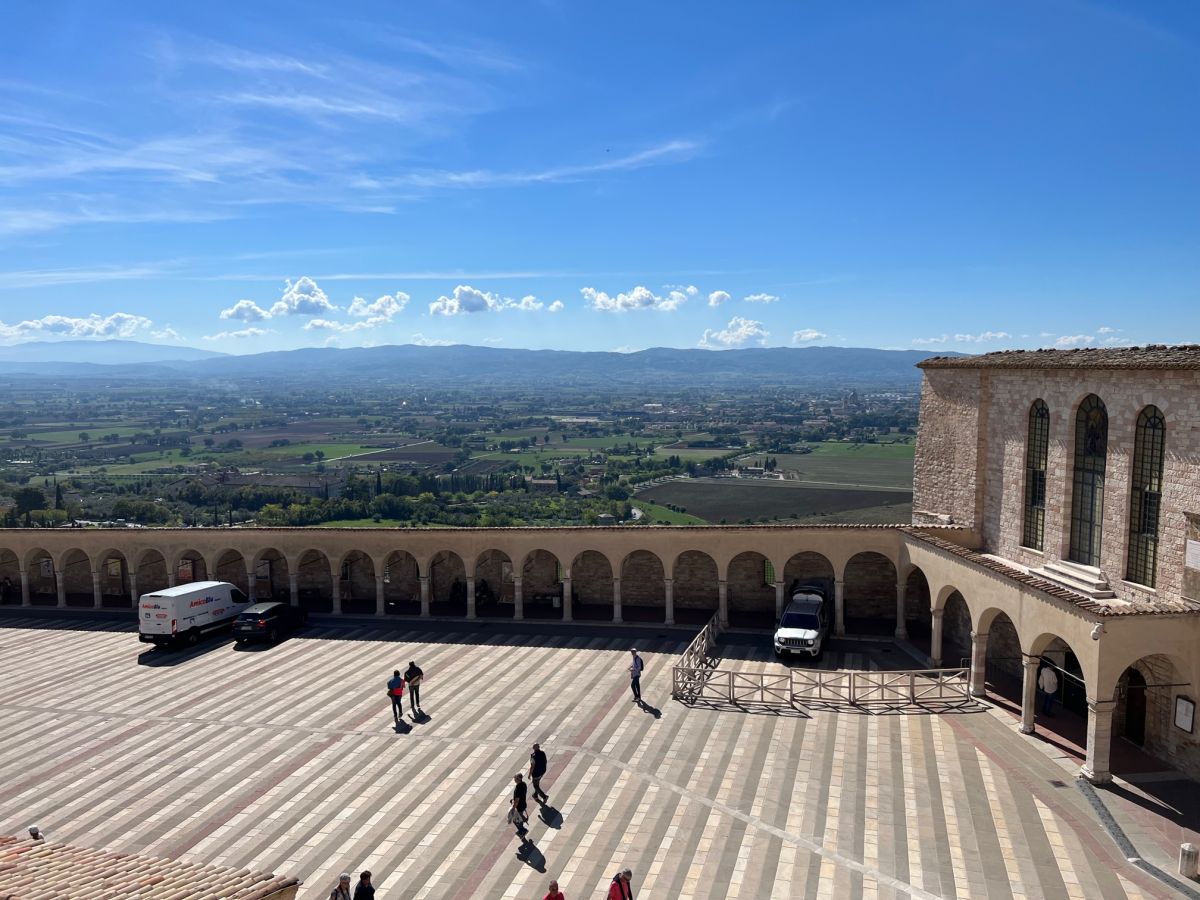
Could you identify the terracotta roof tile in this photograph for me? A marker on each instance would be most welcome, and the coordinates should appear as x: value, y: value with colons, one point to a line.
x: 45, y: 870
x: 1152, y: 356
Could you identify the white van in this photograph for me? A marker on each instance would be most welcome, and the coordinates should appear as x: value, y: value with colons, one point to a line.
x: 804, y: 626
x: 186, y: 611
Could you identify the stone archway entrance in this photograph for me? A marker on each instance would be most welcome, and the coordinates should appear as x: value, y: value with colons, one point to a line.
x: 592, y: 580
x: 495, y: 585
x: 151, y: 572
x: 541, y: 586
x: 751, y: 591
x: 356, y: 583
x: 696, y: 589
x: 401, y: 584
x: 271, y: 581
x: 315, y: 582
x: 447, y: 585
x: 10, y: 579
x: 870, y: 594
x: 643, y: 587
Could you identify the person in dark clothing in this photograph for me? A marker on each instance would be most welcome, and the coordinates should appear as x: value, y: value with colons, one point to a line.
x: 364, y: 890
x: 635, y: 676
x: 413, y: 676
x: 537, y: 768
x: 519, y: 802
x: 396, y: 692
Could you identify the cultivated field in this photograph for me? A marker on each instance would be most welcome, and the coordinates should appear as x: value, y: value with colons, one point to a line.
x: 737, y: 499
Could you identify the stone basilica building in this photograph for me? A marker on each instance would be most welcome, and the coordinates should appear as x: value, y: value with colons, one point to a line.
x: 1056, y: 524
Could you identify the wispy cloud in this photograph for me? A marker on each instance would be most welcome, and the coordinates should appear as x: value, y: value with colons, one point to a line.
x: 923, y: 342
x: 119, y: 324
x: 237, y: 335
x: 1074, y: 340
x: 30, y: 278
x: 983, y: 337
x: 805, y: 335
x: 761, y: 298
x: 422, y: 341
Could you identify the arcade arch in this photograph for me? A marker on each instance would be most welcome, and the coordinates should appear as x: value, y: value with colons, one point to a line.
x: 870, y: 594
x: 314, y: 582
x: 447, y: 584
x: 643, y: 587
x: 401, y: 584
x: 592, y: 581
x: 541, y: 585
x: 751, y: 590
x: 695, y: 587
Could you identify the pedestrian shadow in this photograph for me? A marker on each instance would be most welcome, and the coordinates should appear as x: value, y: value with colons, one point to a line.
x: 403, y: 727
x: 423, y: 719
x: 529, y: 854
x: 647, y: 708
x: 550, y: 816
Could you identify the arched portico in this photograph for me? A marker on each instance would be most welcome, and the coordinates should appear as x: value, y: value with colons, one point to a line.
x: 314, y: 582
x: 694, y: 591
x: 918, y: 609
x: 76, y: 579
x: 190, y: 566
x: 495, y: 585
x: 541, y: 586
x: 401, y: 584
x: 643, y: 587
x: 447, y: 584
x: 869, y: 591
x: 592, y: 580
x: 956, y: 631
x: 41, y: 578
x: 357, y: 589
x: 150, y: 573
x: 271, y: 576
x: 230, y: 565
x: 111, y: 580
x: 750, y: 595
x: 10, y: 578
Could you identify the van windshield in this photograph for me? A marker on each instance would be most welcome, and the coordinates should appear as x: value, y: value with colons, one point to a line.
x: 806, y: 620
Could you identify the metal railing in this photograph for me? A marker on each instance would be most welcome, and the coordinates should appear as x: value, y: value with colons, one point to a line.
x: 697, y: 663
x: 911, y: 686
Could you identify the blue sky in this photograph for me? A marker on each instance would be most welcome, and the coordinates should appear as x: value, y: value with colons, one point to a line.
x: 950, y: 175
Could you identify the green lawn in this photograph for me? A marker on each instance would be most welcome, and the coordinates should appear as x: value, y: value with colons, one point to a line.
x: 656, y: 514
x: 905, y: 449
x: 95, y: 432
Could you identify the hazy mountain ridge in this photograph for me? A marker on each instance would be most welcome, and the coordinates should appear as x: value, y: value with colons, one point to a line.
x: 114, y: 352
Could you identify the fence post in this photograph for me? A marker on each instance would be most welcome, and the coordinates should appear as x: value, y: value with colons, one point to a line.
x: 912, y: 688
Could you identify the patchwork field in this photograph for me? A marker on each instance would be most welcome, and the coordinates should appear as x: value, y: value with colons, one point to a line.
x: 733, y: 500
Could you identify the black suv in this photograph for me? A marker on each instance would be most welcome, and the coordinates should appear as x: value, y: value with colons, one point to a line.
x: 267, y: 622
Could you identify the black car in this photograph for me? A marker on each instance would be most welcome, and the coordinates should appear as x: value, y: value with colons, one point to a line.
x: 267, y: 622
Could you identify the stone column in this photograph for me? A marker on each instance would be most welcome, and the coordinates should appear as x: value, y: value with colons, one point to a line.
x: 1099, y: 741
x: 380, y: 608
x: 172, y: 575
x: 723, y: 602
x: 294, y: 588
x: 251, y: 584
x: 470, y: 596
x: 1029, y: 694
x: 901, y: 622
x: 337, y: 596
x: 133, y: 591
x: 779, y: 600
x: 97, y: 597
x: 60, y: 586
x: 839, y: 607
x: 978, y: 663
x: 616, y: 599
x: 25, y: 599
x: 567, y: 598
x: 424, y: 595
x: 518, y: 597
x: 669, y: 585
x: 935, y: 641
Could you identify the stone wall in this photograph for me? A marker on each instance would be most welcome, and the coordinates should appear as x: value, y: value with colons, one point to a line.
x: 1162, y: 739
x: 946, y: 469
x: 696, y: 581
x: 870, y: 588
x: 747, y: 587
x: 956, y: 631
x: 642, y: 580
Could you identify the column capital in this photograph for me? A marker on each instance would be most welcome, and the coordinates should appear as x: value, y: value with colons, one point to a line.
x: 936, y: 612
x: 668, y: 581
x: 976, y: 635
x: 1101, y: 707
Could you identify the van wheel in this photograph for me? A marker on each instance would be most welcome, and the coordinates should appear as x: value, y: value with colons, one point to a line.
x: 192, y: 638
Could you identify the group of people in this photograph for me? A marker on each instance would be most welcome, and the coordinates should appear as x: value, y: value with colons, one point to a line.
x: 396, y: 686
x: 620, y: 888
x: 364, y: 890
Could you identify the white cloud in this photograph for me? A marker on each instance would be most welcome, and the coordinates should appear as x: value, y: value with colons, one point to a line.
x: 807, y: 334
x: 737, y: 333
x: 246, y: 311
x: 761, y: 298
x: 1104, y: 329
x: 421, y: 341
x: 1045, y: 334
x: 690, y: 289
x: 1117, y: 342
x: 303, y: 297
x: 1074, y: 340
x: 117, y: 324
x: 167, y: 333
x: 556, y: 306
x: 237, y: 335
x: 466, y: 300
x: 527, y: 304
x: 982, y: 337
x: 716, y: 298
x: 923, y: 342
x: 385, y: 307
x: 638, y: 298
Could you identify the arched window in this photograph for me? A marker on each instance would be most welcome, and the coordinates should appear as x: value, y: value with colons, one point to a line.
x: 1036, y: 448
x: 1145, y: 496
x: 1087, y: 499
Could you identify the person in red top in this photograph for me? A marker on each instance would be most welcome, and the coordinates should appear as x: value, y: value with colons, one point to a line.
x: 621, y: 888
x: 554, y: 893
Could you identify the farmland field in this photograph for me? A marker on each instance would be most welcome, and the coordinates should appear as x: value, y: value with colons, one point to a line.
x: 843, y: 468
x: 734, y: 500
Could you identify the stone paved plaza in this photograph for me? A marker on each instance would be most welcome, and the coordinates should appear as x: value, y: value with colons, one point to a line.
x: 285, y: 759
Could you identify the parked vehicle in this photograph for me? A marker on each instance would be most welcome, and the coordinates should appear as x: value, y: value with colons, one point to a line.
x: 804, y: 626
x: 184, y: 613
x: 267, y: 622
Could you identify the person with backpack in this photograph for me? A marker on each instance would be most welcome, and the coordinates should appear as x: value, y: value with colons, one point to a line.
x: 621, y: 887
x: 342, y: 891
x: 413, y: 676
x: 518, y: 814
x: 537, y: 768
x: 635, y: 676
x: 395, y: 688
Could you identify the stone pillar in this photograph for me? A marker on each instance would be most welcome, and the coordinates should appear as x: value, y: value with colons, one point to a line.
x: 1029, y: 694
x: 424, y: 595
x: 251, y: 584
x: 133, y: 591
x: 97, y: 597
x: 616, y: 599
x: 1099, y: 741
x: 901, y: 622
x: 294, y: 588
x: 669, y: 585
x: 380, y: 608
x: 779, y: 599
x: 839, y: 607
x: 337, y: 596
x: 567, y: 598
x: 518, y: 597
x: 60, y: 586
x: 723, y: 602
x: 935, y: 641
x: 172, y: 575
x: 978, y: 663
x: 470, y: 596
x: 25, y: 599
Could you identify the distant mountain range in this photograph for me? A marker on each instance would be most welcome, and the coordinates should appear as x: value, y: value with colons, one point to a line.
x: 461, y: 364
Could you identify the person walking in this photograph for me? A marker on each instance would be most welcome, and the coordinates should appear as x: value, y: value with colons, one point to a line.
x: 622, y: 886
x: 1048, y: 685
x: 554, y: 893
x: 342, y: 891
x: 519, y: 803
x: 364, y: 890
x: 396, y: 692
x: 537, y: 768
x: 635, y: 676
x: 413, y: 676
